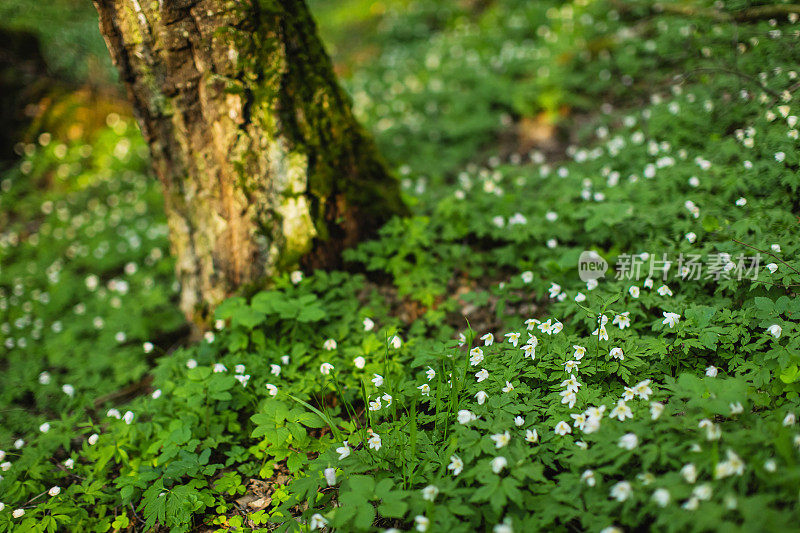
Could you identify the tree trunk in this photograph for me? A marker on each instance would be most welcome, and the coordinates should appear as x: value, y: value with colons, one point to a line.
x: 263, y: 165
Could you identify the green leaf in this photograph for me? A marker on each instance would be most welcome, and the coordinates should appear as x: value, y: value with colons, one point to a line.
x: 363, y: 486
x: 274, y: 435
x: 229, y: 307
x: 790, y: 374
x: 710, y: 224
x: 311, y: 314
x: 295, y: 461
x: 238, y: 340
x: 333, y: 427
x: 383, y: 488
x: 264, y: 301
x: 154, y: 504
x: 766, y: 307
x: 709, y: 339
x: 393, y: 507
x: 121, y: 522
x: 700, y: 315
x: 311, y: 420
x: 247, y: 317
x: 365, y: 515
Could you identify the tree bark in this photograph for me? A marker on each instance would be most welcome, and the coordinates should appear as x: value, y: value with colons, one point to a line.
x: 263, y: 166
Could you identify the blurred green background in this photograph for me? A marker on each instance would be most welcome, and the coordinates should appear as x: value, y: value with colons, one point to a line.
x: 56, y: 74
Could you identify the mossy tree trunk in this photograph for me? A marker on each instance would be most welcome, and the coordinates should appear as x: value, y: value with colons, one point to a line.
x: 263, y: 165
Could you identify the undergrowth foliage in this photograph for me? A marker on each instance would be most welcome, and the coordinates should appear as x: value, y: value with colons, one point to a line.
x: 522, y: 398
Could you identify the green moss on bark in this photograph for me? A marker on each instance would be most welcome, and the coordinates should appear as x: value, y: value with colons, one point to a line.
x: 263, y: 164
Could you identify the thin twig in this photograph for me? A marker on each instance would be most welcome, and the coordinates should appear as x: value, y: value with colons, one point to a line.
x: 134, y: 389
x: 743, y: 15
x: 765, y: 252
x: 766, y: 12
x: 34, y: 499
x: 692, y: 11
x: 135, y: 515
x: 741, y: 75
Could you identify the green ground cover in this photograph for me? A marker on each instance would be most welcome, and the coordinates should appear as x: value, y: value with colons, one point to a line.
x: 459, y: 375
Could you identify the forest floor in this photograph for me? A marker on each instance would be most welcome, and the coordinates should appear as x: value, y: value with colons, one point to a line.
x: 466, y: 371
